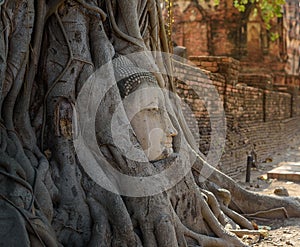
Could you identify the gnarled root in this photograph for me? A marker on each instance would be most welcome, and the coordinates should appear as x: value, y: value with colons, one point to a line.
x: 166, y: 220
x: 247, y: 202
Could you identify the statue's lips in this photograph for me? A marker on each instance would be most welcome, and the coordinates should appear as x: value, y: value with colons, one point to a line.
x: 167, y: 150
x: 168, y: 145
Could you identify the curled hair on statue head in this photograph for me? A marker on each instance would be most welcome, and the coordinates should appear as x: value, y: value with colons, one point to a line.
x: 131, y: 83
x: 129, y: 76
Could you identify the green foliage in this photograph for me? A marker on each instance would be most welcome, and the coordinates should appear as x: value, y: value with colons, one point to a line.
x: 216, y: 2
x: 269, y: 8
x: 274, y: 36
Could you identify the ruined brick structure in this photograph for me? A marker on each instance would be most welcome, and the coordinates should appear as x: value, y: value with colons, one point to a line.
x: 205, y: 29
x: 257, y: 78
x: 292, y: 21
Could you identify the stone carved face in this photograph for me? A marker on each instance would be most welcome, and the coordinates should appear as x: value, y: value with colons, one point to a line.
x: 149, y: 118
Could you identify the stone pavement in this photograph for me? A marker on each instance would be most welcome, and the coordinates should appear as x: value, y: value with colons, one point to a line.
x: 286, y: 171
x: 289, y: 168
x: 281, y: 169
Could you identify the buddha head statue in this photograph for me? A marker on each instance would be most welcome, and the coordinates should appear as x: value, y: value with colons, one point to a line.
x: 145, y: 105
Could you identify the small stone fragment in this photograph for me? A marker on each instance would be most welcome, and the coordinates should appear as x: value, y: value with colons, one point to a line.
x: 268, y: 160
x: 263, y: 177
x: 281, y: 191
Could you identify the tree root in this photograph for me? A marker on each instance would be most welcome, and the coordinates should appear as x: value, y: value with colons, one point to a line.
x: 204, y: 240
x: 44, y: 235
x: 224, y: 198
x: 115, y: 211
x: 237, y: 218
x: 101, y: 235
x: 217, y: 227
x: 271, y: 213
x: 126, y: 37
x: 14, y: 224
x: 93, y: 8
x: 241, y: 233
x: 247, y: 202
x: 215, y: 207
x: 16, y: 152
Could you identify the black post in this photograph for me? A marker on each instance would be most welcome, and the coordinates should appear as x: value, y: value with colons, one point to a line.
x: 249, y: 165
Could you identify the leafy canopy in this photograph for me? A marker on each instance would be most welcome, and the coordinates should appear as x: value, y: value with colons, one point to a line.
x: 269, y: 8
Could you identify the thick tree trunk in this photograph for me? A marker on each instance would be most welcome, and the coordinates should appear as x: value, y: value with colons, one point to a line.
x: 48, y: 50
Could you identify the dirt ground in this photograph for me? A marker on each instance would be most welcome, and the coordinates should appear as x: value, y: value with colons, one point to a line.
x: 285, y: 232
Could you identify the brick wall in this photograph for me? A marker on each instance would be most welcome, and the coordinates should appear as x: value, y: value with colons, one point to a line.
x: 265, y: 138
x: 278, y: 105
x: 262, y: 119
x: 245, y: 103
x: 296, y: 103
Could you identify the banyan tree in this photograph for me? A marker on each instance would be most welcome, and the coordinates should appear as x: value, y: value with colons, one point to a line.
x: 94, y: 147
